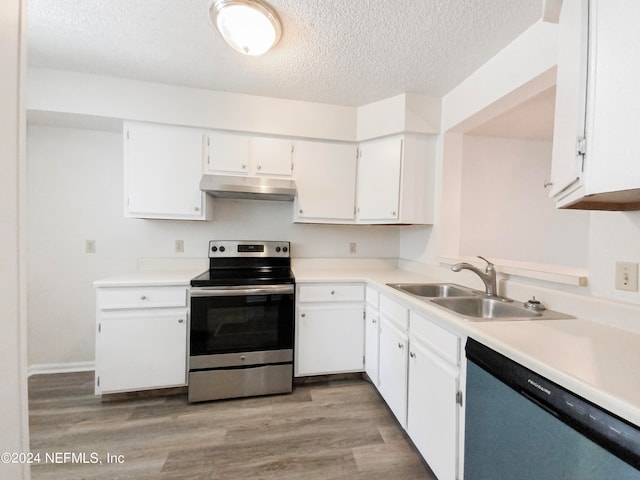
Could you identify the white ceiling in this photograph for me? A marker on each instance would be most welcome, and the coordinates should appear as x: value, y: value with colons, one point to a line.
x: 346, y: 52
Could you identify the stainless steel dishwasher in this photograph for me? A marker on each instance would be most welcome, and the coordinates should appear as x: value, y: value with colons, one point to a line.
x: 519, y: 425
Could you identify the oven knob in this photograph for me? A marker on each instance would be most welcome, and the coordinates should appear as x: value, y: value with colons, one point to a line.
x: 222, y: 249
x: 284, y: 249
x: 278, y: 249
x: 214, y: 249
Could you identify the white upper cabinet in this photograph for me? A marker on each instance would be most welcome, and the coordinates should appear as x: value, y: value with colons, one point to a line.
x: 597, y: 100
x: 325, y: 175
x: 227, y: 153
x: 238, y: 154
x: 162, y: 172
x: 271, y: 156
x: 379, y: 169
x: 395, y: 179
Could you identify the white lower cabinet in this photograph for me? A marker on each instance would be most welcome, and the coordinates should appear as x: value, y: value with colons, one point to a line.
x: 141, y: 338
x: 329, y: 329
x: 432, y: 418
x: 394, y: 343
x: 372, y: 336
x: 393, y: 369
x: 419, y: 379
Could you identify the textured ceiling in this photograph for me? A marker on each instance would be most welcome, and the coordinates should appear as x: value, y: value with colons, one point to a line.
x: 347, y: 52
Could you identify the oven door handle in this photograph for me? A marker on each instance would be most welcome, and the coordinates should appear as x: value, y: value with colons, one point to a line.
x: 241, y: 291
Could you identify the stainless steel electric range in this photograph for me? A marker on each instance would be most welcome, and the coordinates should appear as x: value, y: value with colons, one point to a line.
x: 242, y: 321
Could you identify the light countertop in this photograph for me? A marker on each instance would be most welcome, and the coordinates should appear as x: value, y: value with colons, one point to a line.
x: 149, y: 278
x: 598, y: 362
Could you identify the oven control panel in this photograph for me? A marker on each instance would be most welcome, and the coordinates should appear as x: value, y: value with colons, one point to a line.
x: 235, y: 248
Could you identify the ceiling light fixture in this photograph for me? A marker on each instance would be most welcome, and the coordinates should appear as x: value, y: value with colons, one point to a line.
x: 251, y: 27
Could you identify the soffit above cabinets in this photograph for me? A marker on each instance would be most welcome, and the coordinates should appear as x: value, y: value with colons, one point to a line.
x: 337, y: 52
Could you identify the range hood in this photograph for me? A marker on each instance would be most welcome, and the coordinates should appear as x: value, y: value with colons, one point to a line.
x: 256, y: 188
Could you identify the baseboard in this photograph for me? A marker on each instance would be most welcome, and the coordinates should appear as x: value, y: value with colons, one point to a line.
x: 45, y: 368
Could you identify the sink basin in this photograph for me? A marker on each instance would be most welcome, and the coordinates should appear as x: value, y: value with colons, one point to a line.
x: 485, y: 308
x: 432, y: 290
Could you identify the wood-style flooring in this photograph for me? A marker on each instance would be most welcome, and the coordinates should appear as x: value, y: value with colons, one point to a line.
x: 333, y: 429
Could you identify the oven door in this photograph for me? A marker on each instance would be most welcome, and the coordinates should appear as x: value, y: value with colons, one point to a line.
x: 244, y: 319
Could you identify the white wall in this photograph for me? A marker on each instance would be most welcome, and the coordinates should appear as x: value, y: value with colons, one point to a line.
x: 75, y: 184
x: 14, y: 434
x: 505, y: 209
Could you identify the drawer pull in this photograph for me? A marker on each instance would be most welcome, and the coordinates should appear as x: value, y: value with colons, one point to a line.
x: 181, y: 321
x: 412, y: 355
x: 400, y: 346
x: 143, y: 297
x: 333, y: 292
x: 303, y: 315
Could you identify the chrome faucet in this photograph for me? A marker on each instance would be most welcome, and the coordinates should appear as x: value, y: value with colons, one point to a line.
x: 488, y: 276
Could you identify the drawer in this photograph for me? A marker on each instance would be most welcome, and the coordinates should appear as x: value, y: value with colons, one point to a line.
x: 111, y: 298
x: 372, y: 296
x: 440, y: 340
x: 329, y: 292
x: 395, y: 312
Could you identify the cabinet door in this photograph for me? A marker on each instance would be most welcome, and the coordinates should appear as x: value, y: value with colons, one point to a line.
x: 379, y: 168
x: 325, y: 175
x: 271, y: 156
x: 141, y: 351
x: 432, y: 417
x: 571, y: 96
x: 393, y: 369
x: 227, y: 153
x: 330, y: 339
x: 162, y: 172
x: 372, y: 346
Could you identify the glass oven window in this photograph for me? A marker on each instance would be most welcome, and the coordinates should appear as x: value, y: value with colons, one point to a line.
x: 241, y: 323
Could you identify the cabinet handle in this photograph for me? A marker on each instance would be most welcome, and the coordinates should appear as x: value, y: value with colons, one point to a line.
x: 548, y: 184
x: 303, y: 315
x: 301, y: 211
x: 181, y: 320
x: 333, y: 292
x: 393, y: 213
x: 197, y: 209
x: 412, y: 355
x: 243, y: 166
x: 400, y: 346
x: 242, y: 357
x: 373, y: 321
x: 143, y: 297
x: 259, y: 167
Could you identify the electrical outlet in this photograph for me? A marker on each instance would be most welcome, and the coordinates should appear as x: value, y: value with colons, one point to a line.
x: 352, y: 247
x: 90, y: 246
x: 627, y: 276
x: 179, y: 246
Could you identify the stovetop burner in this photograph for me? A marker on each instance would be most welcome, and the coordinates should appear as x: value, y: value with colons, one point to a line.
x: 233, y: 262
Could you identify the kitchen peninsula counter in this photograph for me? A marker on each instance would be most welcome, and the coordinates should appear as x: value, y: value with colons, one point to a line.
x: 596, y: 361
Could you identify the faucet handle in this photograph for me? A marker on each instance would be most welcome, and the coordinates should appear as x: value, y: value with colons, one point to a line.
x: 489, y: 264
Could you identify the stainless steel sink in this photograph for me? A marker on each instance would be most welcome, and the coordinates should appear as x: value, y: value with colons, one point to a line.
x: 481, y: 307
x: 432, y: 290
x: 485, y: 308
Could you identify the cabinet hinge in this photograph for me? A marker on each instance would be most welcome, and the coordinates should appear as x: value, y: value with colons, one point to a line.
x: 293, y: 147
x: 98, y: 381
x: 364, y: 315
x: 459, y: 397
x: 363, y: 361
x: 99, y: 328
x: 358, y: 153
x: 127, y: 134
x: 208, y: 141
x: 581, y: 146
